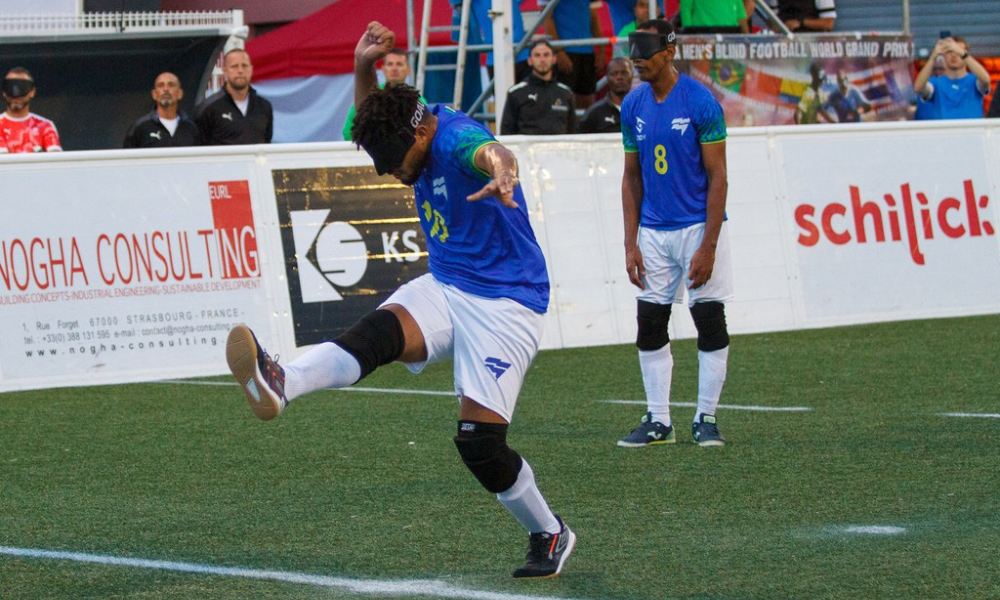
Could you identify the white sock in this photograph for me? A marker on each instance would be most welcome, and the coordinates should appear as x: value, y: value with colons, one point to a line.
x: 325, y: 366
x: 711, y: 376
x: 525, y: 502
x: 657, y: 369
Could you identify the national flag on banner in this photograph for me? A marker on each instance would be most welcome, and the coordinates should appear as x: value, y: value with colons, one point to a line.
x: 760, y: 85
x: 728, y: 74
x: 874, y: 84
x: 791, y: 90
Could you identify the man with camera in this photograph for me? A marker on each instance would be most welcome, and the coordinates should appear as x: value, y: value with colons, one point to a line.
x: 959, y: 92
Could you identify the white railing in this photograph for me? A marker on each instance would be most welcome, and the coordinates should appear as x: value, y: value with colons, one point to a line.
x: 127, y: 22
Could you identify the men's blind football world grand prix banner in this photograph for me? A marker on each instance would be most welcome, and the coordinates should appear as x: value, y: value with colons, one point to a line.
x: 777, y: 80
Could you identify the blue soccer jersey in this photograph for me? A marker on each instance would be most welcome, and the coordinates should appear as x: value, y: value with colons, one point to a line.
x: 480, y: 247
x: 668, y: 136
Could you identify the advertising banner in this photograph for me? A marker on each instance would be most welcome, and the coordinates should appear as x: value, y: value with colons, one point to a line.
x: 108, y: 272
x: 350, y: 238
x: 776, y: 80
x: 875, y: 235
x: 119, y: 267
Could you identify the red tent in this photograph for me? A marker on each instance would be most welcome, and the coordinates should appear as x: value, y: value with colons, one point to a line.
x: 323, y: 42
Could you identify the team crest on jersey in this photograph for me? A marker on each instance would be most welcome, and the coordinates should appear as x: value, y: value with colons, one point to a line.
x: 440, y: 189
x: 680, y: 124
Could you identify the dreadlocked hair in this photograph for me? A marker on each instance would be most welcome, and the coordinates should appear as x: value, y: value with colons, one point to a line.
x: 383, y: 113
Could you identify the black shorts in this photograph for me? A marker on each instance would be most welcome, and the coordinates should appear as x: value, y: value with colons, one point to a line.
x: 583, y: 79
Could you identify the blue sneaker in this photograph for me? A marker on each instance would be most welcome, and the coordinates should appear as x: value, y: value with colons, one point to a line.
x: 706, y: 432
x: 648, y: 433
x: 262, y: 379
x: 547, y: 552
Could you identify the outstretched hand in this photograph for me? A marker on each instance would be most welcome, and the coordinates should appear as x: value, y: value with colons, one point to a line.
x: 501, y: 188
x: 375, y: 43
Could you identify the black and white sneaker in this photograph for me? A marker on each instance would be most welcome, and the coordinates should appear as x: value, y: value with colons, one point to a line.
x: 547, y: 552
x: 648, y: 433
x: 262, y: 378
x: 705, y: 432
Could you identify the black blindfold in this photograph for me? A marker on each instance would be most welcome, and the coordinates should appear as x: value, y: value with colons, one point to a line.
x: 388, y: 154
x: 644, y: 45
x: 17, y: 87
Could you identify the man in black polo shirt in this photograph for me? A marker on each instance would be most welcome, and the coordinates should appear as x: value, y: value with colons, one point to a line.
x: 539, y: 105
x: 235, y: 114
x: 165, y: 126
x: 605, y: 116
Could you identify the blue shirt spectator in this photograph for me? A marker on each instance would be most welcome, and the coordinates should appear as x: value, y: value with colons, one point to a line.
x: 959, y: 92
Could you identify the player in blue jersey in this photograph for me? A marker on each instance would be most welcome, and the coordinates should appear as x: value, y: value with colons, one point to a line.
x: 482, y: 304
x: 674, y: 203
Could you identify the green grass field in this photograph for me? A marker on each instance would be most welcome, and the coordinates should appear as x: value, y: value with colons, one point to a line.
x: 350, y: 494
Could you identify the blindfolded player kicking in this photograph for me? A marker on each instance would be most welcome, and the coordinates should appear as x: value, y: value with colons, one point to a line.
x: 482, y: 304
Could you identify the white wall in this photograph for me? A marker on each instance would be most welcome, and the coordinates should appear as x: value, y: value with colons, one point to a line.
x: 939, y: 255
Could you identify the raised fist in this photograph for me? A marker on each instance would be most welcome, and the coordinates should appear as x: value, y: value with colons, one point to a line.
x: 375, y: 43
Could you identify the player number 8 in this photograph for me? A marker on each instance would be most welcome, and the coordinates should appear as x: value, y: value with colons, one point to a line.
x: 660, y: 152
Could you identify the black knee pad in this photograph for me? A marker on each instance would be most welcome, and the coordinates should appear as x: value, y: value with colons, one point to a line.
x: 710, y: 319
x: 375, y: 340
x: 484, y: 449
x: 653, y: 320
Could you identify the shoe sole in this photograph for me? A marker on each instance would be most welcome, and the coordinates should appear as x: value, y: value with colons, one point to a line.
x: 711, y: 443
x: 562, y: 561
x: 624, y: 444
x: 241, y: 355
x: 569, y: 550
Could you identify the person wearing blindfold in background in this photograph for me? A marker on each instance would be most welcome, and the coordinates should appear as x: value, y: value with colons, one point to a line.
x: 482, y: 304
x: 20, y: 129
x: 674, y: 204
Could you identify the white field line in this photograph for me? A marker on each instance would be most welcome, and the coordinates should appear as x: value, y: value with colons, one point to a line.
x: 371, y: 587
x: 971, y: 415
x: 347, y: 389
x: 726, y: 406
x: 873, y: 529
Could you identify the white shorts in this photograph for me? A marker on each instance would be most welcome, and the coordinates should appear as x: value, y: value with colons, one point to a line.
x: 492, y: 340
x: 667, y: 258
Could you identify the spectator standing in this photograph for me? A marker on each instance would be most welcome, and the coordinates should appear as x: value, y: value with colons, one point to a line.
x: 805, y: 16
x: 847, y: 101
x: 623, y: 14
x: 959, y: 92
x: 236, y: 114
x: 481, y: 31
x: 714, y: 16
x: 539, y: 105
x: 165, y: 126
x: 640, y: 14
x: 577, y: 65
x: 395, y: 71
x: 20, y: 129
x: 482, y: 305
x: 674, y: 190
x: 604, y: 116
